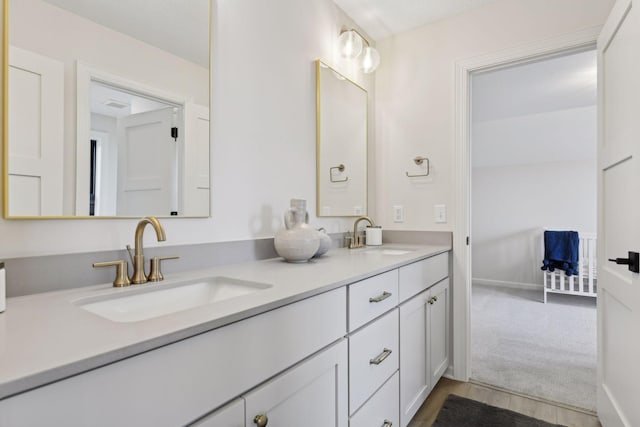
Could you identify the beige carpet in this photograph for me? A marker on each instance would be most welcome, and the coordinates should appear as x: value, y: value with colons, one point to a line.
x: 542, y: 350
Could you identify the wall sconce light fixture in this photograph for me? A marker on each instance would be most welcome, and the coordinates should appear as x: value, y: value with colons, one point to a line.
x: 351, y: 43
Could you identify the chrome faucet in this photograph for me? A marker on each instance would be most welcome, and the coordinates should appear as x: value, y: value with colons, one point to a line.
x: 356, y: 242
x: 138, y: 259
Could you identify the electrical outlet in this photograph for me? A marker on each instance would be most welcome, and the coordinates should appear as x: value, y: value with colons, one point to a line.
x: 398, y: 214
x: 440, y: 213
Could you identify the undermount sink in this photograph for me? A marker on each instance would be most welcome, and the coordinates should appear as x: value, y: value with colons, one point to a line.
x: 390, y: 251
x: 152, y: 302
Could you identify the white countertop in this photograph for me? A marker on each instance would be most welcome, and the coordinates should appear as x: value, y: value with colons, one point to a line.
x: 45, y: 337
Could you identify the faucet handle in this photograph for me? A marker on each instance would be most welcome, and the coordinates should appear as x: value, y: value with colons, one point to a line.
x: 122, y: 271
x: 155, y: 275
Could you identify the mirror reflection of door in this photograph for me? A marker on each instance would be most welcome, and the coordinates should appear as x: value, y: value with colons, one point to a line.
x: 35, y: 108
x: 147, y: 164
x: 134, y: 166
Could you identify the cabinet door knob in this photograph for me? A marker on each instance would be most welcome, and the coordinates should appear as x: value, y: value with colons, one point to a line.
x: 261, y: 420
x: 387, y: 423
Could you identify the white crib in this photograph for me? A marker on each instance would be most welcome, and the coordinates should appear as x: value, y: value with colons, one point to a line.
x: 585, y: 283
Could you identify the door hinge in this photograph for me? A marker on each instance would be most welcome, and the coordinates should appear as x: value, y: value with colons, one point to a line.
x: 174, y: 133
x: 467, y: 240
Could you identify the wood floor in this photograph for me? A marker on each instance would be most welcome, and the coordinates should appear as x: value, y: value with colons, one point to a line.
x: 426, y: 415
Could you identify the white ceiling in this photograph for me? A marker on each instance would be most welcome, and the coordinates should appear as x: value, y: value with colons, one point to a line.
x: 384, y: 18
x: 176, y: 26
x: 553, y: 84
x: 538, y: 112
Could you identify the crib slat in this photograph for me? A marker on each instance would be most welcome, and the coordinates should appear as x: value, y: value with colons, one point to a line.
x: 592, y: 263
x: 561, y: 282
x: 581, y: 266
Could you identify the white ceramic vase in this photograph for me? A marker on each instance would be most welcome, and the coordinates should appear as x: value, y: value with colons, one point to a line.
x: 297, y: 242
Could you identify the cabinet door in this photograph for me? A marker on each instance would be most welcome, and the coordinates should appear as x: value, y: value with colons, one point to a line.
x: 311, y: 394
x: 231, y: 415
x: 438, y: 330
x: 415, y: 375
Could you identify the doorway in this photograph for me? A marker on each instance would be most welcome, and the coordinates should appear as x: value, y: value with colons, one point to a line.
x: 533, y: 167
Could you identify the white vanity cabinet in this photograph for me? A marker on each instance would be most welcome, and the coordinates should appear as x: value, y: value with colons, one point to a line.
x: 365, y: 354
x: 424, y: 346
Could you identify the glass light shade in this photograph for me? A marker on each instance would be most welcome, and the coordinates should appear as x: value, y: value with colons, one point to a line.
x: 350, y: 44
x: 370, y: 60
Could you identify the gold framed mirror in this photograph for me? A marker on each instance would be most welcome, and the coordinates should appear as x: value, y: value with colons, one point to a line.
x: 341, y: 144
x: 106, y: 108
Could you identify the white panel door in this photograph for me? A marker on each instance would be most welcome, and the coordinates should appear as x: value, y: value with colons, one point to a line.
x: 196, y: 180
x: 147, y: 164
x: 312, y: 394
x: 36, y: 135
x: 619, y: 214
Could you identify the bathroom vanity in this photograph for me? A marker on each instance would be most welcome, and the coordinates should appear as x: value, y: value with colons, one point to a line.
x: 339, y: 341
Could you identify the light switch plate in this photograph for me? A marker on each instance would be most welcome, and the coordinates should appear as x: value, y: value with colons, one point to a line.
x: 440, y: 213
x: 398, y: 213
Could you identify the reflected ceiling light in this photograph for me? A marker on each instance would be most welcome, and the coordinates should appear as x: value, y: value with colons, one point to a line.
x: 350, y: 44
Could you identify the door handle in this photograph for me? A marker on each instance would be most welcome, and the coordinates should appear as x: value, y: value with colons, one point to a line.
x: 633, y: 261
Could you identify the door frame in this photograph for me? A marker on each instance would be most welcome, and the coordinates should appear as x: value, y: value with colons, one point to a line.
x: 461, y: 308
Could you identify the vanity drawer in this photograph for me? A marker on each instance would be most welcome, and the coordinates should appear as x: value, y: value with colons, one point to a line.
x: 372, y: 297
x: 416, y: 277
x: 382, y: 408
x: 373, y: 358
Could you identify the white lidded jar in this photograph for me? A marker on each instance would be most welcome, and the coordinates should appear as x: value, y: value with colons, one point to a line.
x: 297, y: 242
x: 374, y: 235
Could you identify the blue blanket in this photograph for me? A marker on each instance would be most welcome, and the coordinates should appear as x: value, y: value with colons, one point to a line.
x: 561, y: 251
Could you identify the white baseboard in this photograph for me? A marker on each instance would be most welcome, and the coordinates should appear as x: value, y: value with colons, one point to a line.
x: 506, y: 284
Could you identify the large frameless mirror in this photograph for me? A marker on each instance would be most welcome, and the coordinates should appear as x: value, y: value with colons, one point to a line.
x: 341, y: 144
x: 108, y: 108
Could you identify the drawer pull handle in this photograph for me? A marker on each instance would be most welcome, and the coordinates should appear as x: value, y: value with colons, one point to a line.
x: 261, y: 420
x: 382, y: 297
x: 387, y: 423
x: 380, y: 358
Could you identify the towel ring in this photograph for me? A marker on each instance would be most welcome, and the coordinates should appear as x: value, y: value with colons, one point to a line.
x: 418, y: 161
x: 340, y: 169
